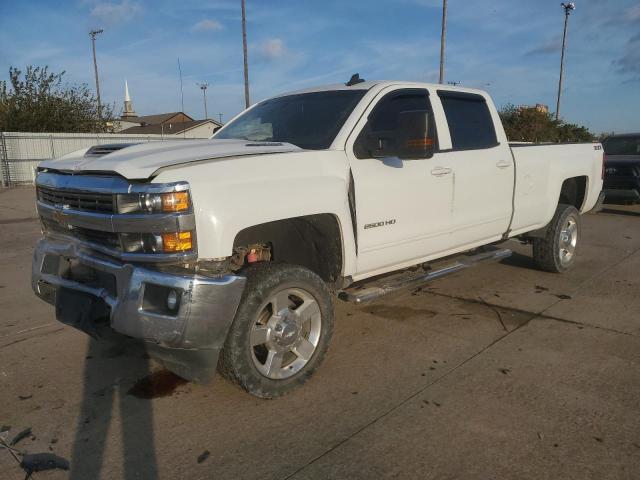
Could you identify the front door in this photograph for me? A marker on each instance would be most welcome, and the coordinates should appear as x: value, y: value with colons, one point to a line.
x: 403, y: 207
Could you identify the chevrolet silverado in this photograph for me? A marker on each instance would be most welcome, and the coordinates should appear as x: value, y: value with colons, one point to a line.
x: 226, y: 254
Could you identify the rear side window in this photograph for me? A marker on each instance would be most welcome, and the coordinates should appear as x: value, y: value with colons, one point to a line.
x: 469, y: 120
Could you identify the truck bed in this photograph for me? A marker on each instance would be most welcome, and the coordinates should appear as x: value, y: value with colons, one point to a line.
x: 540, y: 172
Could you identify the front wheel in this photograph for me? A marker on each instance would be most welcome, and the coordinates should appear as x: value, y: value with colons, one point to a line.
x: 281, y: 330
x: 556, y: 252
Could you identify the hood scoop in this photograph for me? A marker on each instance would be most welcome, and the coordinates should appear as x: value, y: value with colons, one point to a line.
x: 100, y: 150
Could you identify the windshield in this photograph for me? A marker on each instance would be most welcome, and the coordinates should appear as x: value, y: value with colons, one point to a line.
x: 622, y: 146
x: 308, y: 120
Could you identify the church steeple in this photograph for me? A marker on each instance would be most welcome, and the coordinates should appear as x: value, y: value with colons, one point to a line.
x: 128, y: 111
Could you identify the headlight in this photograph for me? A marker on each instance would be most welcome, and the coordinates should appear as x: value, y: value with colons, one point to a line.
x: 153, y: 202
x: 154, y: 243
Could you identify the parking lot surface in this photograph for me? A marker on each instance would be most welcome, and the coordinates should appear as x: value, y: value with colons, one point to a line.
x: 499, y: 372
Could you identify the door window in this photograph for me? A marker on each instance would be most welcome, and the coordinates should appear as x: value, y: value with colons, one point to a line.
x: 470, y: 123
x: 384, y: 119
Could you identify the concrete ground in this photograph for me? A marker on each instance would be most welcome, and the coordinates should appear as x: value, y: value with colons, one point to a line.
x: 500, y: 372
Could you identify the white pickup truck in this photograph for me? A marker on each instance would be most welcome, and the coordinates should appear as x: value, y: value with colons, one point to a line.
x: 227, y: 253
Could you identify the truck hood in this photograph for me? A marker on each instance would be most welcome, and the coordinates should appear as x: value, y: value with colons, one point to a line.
x: 142, y: 160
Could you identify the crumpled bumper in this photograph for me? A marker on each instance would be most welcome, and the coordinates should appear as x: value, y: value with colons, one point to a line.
x: 187, y: 339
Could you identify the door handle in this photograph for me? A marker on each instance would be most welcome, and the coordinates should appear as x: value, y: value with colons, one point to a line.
x: 503, y: 164
x: 440, y: 171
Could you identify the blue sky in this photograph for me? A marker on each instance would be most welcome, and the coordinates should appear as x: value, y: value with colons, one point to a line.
x: 509, y: 48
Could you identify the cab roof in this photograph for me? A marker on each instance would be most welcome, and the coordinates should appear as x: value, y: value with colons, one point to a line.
x: 367, y: 85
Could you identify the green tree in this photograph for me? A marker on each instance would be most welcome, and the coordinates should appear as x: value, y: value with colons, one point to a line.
x: 530, y: 124
x: 39, y: 101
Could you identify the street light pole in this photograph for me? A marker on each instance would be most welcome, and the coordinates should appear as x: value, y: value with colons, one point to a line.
x: 93, y: 34
x: 203, y: 87
x: 443, y: 36
x: 568, y: 8
x: 247, y: 102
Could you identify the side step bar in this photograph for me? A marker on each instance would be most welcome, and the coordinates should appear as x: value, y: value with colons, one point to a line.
x: 367, y: 292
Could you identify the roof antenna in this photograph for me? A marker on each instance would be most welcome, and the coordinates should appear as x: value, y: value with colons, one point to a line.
x: 354, y: 80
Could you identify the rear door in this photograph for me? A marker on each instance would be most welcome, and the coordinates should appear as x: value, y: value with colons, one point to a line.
x: 483, y: 168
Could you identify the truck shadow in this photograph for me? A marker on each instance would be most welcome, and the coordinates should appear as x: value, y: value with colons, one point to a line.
x: 519, y: 260
x: 108, y: 410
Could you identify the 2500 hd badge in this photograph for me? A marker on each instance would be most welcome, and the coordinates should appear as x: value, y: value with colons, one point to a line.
x: 380, y: 224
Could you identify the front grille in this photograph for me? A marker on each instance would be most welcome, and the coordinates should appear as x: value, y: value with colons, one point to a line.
x: 77, y: 200
x: 106, y: 239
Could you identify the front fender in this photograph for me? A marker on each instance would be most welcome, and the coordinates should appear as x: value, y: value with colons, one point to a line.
x: 232, y: 194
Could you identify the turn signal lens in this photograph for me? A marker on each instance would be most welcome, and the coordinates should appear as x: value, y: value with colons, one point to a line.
x: 175, y: 202
x: 177, y: 242
x: 419, y: 142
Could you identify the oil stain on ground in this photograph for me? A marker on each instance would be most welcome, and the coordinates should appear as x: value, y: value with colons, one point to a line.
x: 159, y: 384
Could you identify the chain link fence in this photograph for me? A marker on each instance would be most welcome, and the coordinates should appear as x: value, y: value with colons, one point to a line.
x: 20, y: 153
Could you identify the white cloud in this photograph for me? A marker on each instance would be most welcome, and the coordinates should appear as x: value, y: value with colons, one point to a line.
x: 207, y: 25
x: 113, y: 13
x: 272, y: 48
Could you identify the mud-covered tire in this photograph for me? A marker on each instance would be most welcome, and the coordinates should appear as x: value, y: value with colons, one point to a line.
x: 556, y: 252
x: 269, y: 286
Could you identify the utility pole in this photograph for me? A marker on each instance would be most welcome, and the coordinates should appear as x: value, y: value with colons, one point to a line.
x: 443, y: 37
x: 93, y: 34
x: 247, y: 102
x: 568, y: 8
x: 220, y: 115
x: 203, y: 87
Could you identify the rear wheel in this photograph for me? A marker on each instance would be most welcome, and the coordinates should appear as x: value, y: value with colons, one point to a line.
x: 281, y: 331
x: 556, y: 252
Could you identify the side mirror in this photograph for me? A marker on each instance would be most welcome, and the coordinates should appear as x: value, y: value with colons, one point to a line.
x: 412, y: 135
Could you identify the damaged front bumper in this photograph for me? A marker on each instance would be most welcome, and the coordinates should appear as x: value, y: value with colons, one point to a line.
x: 187, y: 338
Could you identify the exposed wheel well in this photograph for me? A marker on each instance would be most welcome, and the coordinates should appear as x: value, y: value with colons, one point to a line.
x: 573, y: 191
x: 312, y: 241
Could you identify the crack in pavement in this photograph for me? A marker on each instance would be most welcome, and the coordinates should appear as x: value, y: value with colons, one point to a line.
x: 18, y: 220
x: 37, y: 335
x: 534, y: 316
x: 30, y: 329
x: 409, y: 398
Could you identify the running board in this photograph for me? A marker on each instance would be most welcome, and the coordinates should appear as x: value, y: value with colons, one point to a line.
x: 377, y: 288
